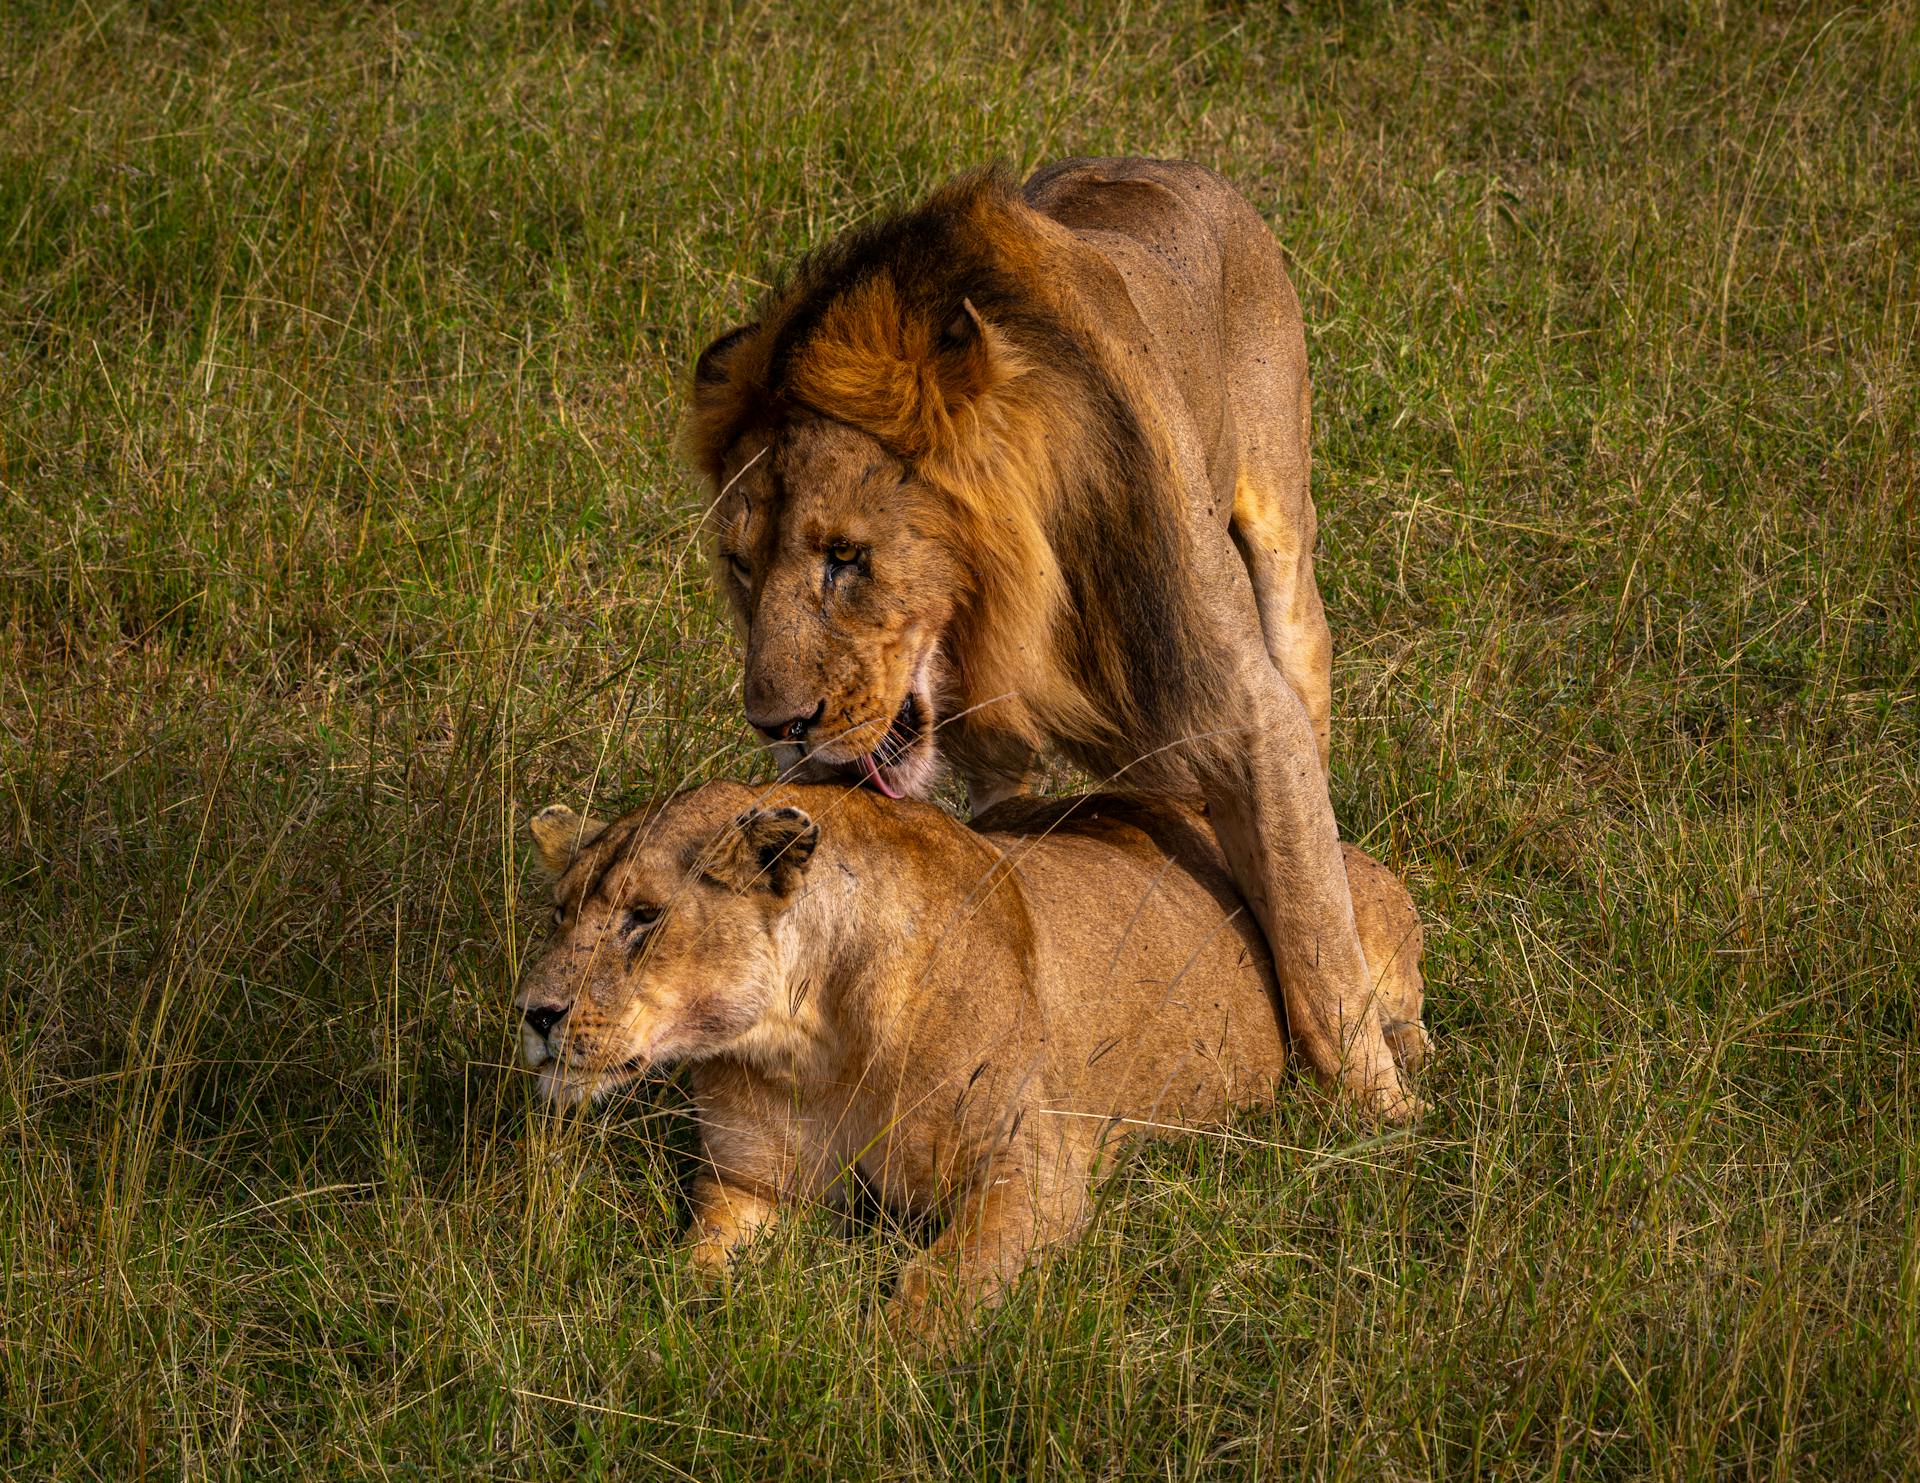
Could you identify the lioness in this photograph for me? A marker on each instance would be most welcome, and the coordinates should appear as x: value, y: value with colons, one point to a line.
x: 966, y: 1015
x: 1027, y: 467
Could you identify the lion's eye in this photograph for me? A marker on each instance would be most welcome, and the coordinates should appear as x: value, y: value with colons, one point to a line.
x: 637, y: 920
x: 739, y: 568
x: 559, y: 916
x: 842, y: 556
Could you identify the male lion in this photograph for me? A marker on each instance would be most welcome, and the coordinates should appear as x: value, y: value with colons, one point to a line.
x: 1026, y: 468
x: 966, y: 1015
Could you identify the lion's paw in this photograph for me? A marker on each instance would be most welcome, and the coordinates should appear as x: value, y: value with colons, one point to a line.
x: 1408, y: 1041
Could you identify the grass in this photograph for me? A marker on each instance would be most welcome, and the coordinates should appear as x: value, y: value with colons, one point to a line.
x: 340, y: 350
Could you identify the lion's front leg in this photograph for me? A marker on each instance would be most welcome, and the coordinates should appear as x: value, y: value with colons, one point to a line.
x: 984, y: 792
x: 995, y: 766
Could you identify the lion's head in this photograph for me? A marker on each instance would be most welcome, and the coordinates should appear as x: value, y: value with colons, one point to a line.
x: 884, y: 446
x: 839, y: 569
x: 664, y: 944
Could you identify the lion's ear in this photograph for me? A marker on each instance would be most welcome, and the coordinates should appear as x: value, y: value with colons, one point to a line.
x: 716, y: 360
x: 560, y: 835
x: 964, y: 355
x: 727, y: 383
x: 969, y: 358
x: 912, y: 381
x: 765, y: 849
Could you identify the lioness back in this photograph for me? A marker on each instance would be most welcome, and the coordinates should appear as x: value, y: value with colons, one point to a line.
x: 1157, y: 982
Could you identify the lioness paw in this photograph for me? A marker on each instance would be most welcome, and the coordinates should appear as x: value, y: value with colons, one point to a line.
x: 1395, y: 1105
x: 918, y: 1321
x: 710, y: 1260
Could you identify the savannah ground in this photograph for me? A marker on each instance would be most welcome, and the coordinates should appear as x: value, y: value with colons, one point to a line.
x: 340, y: 527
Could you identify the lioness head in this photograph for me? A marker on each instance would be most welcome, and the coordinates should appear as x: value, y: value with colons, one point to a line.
x: 663, y: 946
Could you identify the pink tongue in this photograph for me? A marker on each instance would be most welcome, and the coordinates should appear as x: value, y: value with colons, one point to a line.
x: 873, y: 776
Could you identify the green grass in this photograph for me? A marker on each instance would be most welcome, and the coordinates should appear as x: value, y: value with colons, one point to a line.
x: 340, y: 526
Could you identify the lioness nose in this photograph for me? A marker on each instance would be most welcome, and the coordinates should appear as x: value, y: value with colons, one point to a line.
x: 543, y: 1019
x: 792, y: 729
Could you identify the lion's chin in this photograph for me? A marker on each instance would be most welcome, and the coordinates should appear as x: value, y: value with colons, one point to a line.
x: 906, y: 764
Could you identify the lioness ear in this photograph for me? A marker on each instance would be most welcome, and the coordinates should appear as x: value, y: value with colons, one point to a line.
x: 765, y: 849
x: 560, y: 834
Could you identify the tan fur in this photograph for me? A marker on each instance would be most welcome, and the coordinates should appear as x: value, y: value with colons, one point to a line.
x: 1065, y: 426
x: 971, y: 1017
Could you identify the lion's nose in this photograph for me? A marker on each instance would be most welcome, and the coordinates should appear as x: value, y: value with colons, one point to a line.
x: 790, y: 729
x: 543, y: 1018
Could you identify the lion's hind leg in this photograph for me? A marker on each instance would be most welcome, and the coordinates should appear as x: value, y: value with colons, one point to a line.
x: 1273, y: 531
x: 1391, y: 938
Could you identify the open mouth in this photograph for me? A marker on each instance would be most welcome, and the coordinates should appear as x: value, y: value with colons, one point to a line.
x: 891, y: 768
x: 903, y: 765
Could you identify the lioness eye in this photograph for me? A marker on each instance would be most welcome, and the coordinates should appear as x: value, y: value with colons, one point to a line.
x: 559, y: 916
x: 639, y: 919
x: 738, y: 567
x: 841, y: 556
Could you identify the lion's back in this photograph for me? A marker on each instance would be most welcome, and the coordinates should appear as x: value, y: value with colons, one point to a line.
x: 1167, y: 203
x: 1205, y: 282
